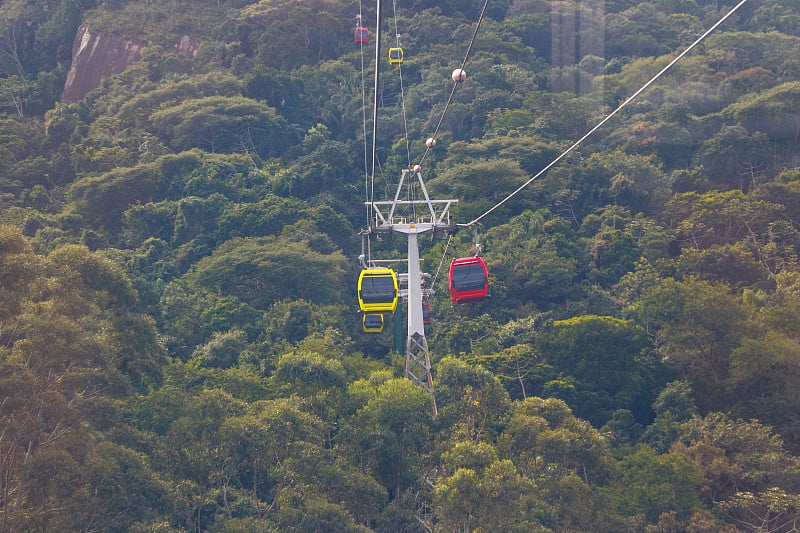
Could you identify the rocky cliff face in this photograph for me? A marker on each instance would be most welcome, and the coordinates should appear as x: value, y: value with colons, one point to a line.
x: 94, y: 58
x: 97, y: 56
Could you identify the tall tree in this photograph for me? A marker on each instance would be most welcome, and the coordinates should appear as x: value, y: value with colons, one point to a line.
x: 391, y: 436
x: 610, y: 362
x: 696, y: 325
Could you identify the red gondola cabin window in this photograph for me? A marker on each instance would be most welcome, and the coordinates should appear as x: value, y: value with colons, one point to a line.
x: 469, y: 280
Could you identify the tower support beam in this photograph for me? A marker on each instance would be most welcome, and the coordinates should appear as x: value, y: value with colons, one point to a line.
x: 418, y: 362
x: 402, y: 216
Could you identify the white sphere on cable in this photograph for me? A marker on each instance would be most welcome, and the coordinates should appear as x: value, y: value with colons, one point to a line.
x: 417, y: 168
x: 431, y: 142
x: 458, y: 75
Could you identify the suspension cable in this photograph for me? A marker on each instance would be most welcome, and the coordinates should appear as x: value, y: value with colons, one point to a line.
x: 364, y: 119
x: 455, y: 83
x: 441, y: 261
x: 402, y: 90
x: 378, y: 17
x: 610, y: 115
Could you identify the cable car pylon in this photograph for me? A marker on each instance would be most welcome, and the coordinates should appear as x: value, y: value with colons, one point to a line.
x: 413, y: 218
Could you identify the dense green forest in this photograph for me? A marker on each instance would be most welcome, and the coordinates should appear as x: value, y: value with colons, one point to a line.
x: 180, y: 343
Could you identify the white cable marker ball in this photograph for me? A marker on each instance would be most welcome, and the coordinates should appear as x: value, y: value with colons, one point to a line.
x: 417, y: 168
x: 458, y: 75
x: 431, y: 142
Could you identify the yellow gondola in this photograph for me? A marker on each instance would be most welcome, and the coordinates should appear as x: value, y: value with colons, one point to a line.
x: 377, y: 290
x: 372, y: 322
x: 395, y: 55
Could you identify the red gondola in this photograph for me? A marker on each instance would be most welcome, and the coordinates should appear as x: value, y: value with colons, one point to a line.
x: 362, y: 35
x: 426, y: 312
x: 469, y: 280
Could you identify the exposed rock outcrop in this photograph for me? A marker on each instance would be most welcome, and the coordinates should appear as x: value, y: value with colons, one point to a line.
x: 94, y: 58
x: 98, y: 56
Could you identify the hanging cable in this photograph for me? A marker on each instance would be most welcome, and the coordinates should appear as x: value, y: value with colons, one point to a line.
x: 607, y: 118
x: 378, y: 20
x: 402, y: 90
x: 478, y: 245
x: 403, y: 108
x: 455, y: 83
x: 441, y: 261
x: 364, y: 120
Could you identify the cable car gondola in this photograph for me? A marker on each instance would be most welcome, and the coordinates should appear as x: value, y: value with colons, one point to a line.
x: 377, y: 290
x: 468, y: 280
x: 395, y: 55
x: 426, y: 312
x: 372, y: 322
x: 362, y: 35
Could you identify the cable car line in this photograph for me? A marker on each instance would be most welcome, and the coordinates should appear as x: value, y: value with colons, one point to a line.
x: 441, y: 261
x: 456, y: 80
x: 363, y: 106
x: 610, y: 115
x: 371, y: 196
x: 402, y: 90
x: 403, y: 107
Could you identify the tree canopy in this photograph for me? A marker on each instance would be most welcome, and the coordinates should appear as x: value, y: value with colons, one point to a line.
x: 181, y: 348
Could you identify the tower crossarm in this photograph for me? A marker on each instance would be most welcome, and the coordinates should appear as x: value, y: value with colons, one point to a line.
x: 389, y: 213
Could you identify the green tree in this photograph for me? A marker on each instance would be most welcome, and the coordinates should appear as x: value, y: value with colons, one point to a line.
x: 125, y: 489
x: 610, y: 362
x: 730, y: 157
x: 653, y: 484
x: 737, y: 456
x: 222, y: 350
x: 123, y: 187
x: 734, y: 264
x: 265, y: 216
x: 292, y: 35
x: 494, y: 497
x: 611, y: 249
x: 673, y: 406
x: 773, y: 510
x: 316, y: 380
x: 479, y: 183
x: 543, y: 436
x: 762, y: 377
x: 222, y: 124
x: 702, y: 220
x: 770, y: 112
x: 696, y: 325
x: 19, y: 267
x: 539, y: 260
x: 261, y: 271
x: 470, y: 400
x: 17, y: 92
x: 77, y: 350
x: 671, y: 141
x: 258, y: 446
x: 391, y: 435
x: 137, y: 110
x: 566, y: 458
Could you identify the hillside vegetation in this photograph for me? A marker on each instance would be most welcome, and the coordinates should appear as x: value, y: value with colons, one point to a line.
x: 180, y: 343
